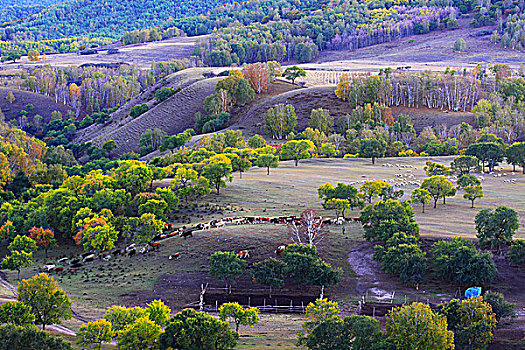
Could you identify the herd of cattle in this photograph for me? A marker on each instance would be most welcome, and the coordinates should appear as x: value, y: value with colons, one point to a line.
x: 74, y: 264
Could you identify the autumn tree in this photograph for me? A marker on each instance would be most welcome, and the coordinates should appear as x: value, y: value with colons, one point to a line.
x: 280, y: 120
x: 10, y: 97
x: 134, y: 176
x: 496, y: 227
x: 239, y: 315
x: 267, y: 161
x: 43, y: 237
x: 344, y: 87
x: 96, y: 235
x: 294, y: 72
x: 257, y: 76
x: 256, y: 141
x: 432, y: 168
x: 417, y: 327
x: 473, y: 192
x: 297, y: 150
x: 322, y: 310
x: 48, y: 302
x: 158, y: 312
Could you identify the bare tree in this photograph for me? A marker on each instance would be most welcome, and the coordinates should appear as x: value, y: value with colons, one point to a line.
x: 309, y: 230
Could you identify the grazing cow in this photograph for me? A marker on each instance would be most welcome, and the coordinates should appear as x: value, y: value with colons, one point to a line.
x: 154, y: 245
x: 63, y: 260
x: 339, y: 221
x: 239, y: 221
x: 144, y: 249
x: 74, y: 261
x: 243, y: 254
x: 48, y: 267
x: 280, y: 249
x: 132, y: 252
x: 58, y: 269
x: 187, y: 232
x: 89, y: 258
x: 73, y: 271
x: 116, y: 252
x: 130, y: 247
x: 83, y: 255
x: 107, y: 258
x: 174, y: 256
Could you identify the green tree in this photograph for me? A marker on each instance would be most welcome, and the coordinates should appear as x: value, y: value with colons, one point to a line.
x: 460, y: 262
x: 239, y: 315
x: 94, y: 333
x: 267, y: 161
x: 297, y: 150
x: 340, y: 197
x: 473, y: 192
x: 463, y: 165
x: 280, y: 120
x: 354, y: 332
x: 22, y: 243
x: 120, y: 317
x: 218, y: 171
x: 256, y: 141
x: 417, y: 327
x: 226, y: 266
x: 154, y: 206
x: 320, y: 311
x: 165, y: 93
x: 407, y: 261
x: 192, y: 330
x: 321, y: 120
x: 500, y: 307
x: 370, y: 190
x: 48, y: 302
x: 384, y: 218
x: 30, y: 338
x: 517, y: 251
x: 433, y: 168
x: 372, y: 148
x: 240, y: 164
x: 420, y: 195
x: 158, y: 312
x: 141, y: 334
x: 17, y: 260
x: 269, y: 272
x: 472, y: 321
x: 16, y: 313
x: 468, y: 180
x: 496, y: 226
x: 487, y: 152
x: 516, y: 155
x: 148, y: 227
x: 134, y: 176
x: 439, y: 187
x: 293, y: 72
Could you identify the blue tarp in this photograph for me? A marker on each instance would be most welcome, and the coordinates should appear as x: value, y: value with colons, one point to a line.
x: 473, y: 292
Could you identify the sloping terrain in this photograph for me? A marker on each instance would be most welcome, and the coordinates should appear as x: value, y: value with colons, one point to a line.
x: 173, y: 116
x: 42, y: 105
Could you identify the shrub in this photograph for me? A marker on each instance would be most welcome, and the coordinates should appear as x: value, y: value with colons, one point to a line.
x: 138, y: 110
x: 500, y: 307
x: 166, y: 92
x: 517, y: 251
x: 460, y: 45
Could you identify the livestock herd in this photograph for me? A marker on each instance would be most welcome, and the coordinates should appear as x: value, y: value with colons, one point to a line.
x: 66, y: 265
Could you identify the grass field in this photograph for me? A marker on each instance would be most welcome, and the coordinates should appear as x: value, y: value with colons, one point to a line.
x: 287, y: 190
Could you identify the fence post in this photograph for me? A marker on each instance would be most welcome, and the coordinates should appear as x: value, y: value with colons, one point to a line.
x: 374, y: 311
x: 216, y: 305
